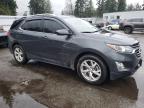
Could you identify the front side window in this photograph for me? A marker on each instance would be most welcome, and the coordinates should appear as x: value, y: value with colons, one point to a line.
x: 34, y: 25
x: 52, y: 26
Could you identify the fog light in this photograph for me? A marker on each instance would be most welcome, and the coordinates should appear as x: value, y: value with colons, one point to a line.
x: 120, y: 66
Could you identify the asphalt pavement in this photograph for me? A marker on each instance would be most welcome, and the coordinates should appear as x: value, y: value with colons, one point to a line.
x: 41, y: 85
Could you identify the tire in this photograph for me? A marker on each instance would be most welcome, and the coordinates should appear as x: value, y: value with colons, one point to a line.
x: 128, y: 30
x: 109, y: 28
x: 19, y: 54
x: 98, y: 67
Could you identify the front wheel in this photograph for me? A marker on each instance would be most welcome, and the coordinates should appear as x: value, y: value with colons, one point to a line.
x: 92, y: 69
x: 128, y: 30
x: 109, y: 28
x: 19, y: 54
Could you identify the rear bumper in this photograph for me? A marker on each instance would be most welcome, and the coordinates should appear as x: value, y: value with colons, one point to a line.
x: 3, y: 40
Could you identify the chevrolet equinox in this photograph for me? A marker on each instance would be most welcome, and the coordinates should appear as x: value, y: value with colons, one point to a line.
x: 96, y: 55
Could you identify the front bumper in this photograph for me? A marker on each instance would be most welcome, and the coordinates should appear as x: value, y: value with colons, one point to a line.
x: 128, y: 63
x: 130, y: 68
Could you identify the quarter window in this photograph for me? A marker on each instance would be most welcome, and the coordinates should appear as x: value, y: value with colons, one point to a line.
x: 52, y: 26
x: 34, y: 25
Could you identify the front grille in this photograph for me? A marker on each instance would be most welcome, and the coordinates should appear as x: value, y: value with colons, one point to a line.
x: 137, y: 49
x: 137, y: 45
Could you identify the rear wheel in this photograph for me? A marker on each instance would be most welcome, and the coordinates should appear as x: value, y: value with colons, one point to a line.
x: 128, y: 30
x: 92, y: 69
x: 19, y: 54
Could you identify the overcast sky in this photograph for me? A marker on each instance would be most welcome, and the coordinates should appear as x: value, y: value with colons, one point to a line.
x: 57, y: 5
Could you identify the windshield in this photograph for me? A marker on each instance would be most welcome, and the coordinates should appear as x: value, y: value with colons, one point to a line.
x: 81, y: 25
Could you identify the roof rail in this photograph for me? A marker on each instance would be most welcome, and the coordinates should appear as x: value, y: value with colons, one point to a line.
x: 44, y: 14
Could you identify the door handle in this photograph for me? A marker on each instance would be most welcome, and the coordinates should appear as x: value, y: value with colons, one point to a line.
x: 44, y: 36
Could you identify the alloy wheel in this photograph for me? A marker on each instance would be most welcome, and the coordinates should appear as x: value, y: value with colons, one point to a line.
x: 90, y: 70
x: 18, y: 53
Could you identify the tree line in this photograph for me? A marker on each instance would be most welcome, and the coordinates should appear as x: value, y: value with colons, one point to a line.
x: 84, y: 8
x: 8, y: 7
x: 106, y: 6
x: 81, y: 8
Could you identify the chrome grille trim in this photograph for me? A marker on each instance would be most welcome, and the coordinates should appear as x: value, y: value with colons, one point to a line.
x: 136, y: 46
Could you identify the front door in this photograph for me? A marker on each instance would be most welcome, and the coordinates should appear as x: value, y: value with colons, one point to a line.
x: 53, y: 44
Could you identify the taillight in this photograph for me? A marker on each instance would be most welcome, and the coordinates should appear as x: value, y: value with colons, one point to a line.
x: 8, y: 33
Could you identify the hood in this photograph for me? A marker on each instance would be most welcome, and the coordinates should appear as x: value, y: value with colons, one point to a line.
x: 112, y: 38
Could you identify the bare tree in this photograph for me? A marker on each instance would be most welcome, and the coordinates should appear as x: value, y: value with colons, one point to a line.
x: 68, y: 10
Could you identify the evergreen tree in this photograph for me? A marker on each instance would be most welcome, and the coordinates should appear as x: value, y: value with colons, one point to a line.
x: 110, y: 6
x: 84, y: 8
x: 122, y: 5
x: 40, y: 6
x: 89, y: 9
x: 101, y: 7
x: 79, y: 8
x: 47, y: 6
x: 8, y: 7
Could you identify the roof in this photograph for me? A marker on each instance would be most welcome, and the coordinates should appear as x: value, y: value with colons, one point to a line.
x: 142, y: 11
x: 48, y: 15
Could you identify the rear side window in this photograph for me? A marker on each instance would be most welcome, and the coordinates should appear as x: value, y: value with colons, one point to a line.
x: 52, y: 26
x: 136, y: 20
x: 34, y: 25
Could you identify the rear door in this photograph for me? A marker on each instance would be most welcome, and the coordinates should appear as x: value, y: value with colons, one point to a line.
x: 30, y: 35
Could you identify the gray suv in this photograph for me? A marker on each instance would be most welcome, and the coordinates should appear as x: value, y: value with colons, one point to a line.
x: 96, y: 55
x: 131, y: 25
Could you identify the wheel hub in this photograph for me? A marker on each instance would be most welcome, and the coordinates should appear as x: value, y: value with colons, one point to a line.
x: 18, y: 54
x: 90, y: 70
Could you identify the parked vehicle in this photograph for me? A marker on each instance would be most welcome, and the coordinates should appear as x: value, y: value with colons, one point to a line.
x: 131, y: 25
x: 74, y: 43
x: 3, y: 37
x: 113, y: 27
x: 99, y: 25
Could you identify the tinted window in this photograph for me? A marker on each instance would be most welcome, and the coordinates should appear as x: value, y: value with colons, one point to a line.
x: 16, y: 23
x: 136, y: 20
x: 35, y: 25
x: 52, y: 26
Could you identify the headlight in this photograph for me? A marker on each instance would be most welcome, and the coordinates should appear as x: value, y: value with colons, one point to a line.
x: 122, y: 49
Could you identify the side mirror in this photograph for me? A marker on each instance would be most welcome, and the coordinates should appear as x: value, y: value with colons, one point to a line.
x: 63, y: 32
